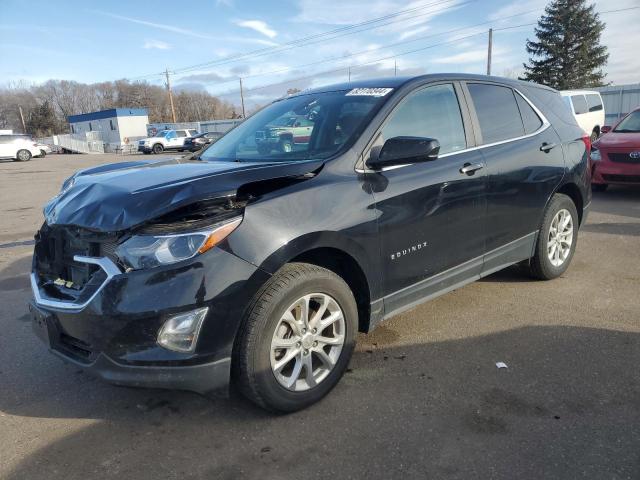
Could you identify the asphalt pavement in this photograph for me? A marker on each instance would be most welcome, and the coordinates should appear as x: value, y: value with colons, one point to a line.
x: 423, y: 397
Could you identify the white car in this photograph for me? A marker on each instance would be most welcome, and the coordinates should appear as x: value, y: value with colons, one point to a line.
x: 588, y: 109
x: 44, y: 149
x: 18, y: 147
x: 166, y: 140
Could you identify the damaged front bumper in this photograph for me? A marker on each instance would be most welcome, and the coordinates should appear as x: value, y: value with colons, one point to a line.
x: 111, y: 327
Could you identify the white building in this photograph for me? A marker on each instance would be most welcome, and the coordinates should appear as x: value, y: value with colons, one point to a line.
x: 115, y: 127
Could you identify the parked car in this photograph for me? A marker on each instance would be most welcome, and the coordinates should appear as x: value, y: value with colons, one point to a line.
x: 18, y: 147
x: 616, y: 155
x: 588, y: 109
x: 284, y: 134
x: 201, y: 140
x: 44, y: 149
x: 261, y: 268
x: 166, y: 140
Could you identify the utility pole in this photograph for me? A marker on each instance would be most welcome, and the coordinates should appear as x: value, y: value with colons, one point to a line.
x: 395, y: 67
x: 349, y: 74
x: 24, y: 127
x: 173, y: 110
x: 489, y: 51
x: 242, y: 98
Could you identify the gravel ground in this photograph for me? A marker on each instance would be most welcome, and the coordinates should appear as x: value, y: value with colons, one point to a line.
x: 422, y: 399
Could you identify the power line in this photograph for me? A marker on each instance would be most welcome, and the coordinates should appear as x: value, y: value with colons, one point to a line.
x: 262, y: 87
x: 301, y: 41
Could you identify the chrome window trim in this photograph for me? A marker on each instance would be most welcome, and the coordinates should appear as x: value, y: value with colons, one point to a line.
x: 106, y: 264
x: 545, y: 124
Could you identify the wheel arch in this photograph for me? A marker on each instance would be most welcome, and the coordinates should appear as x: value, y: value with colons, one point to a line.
x: 572, y: 191
x: 337, y: 253
x: 347, y: 268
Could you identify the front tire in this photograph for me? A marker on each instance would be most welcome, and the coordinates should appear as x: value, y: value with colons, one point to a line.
x: 158, y: 148
x: 296, y: 339
x: 23, y: 156
x: 557, y: 239
x: 43, y: 154
x: 285, y: 145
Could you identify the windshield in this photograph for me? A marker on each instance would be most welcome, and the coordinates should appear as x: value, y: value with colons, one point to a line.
x: 162, y: 133
x: 631, y: 124
x: 314, y: 126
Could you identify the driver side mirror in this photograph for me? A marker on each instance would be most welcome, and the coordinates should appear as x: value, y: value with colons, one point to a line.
x: 402, y: 151
x: 605, y: 129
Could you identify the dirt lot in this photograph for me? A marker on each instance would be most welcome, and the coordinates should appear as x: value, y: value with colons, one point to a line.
x: 423, y: 397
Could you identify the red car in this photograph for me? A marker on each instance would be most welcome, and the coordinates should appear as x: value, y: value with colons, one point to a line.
x: 616, y: 155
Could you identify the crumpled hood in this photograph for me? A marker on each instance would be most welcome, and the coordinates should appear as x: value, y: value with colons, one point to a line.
x: 119, y: 196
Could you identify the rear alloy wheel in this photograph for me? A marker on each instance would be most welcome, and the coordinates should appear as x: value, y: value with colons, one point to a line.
x: 158, y: 148
x: 297, y: 338
x: 557, y: 239
x: 23, y: 155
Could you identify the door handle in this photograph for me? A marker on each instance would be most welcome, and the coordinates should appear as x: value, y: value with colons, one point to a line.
x: 470, y: 168
x: 545, y: 147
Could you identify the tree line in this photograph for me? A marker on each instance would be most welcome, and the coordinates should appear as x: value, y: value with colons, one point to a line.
x: 45, y: 107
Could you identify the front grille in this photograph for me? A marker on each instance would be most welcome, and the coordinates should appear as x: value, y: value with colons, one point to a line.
x: 260, y: 135
x: 623, y: 158
x: 55, y: 249
x: 621, y: 178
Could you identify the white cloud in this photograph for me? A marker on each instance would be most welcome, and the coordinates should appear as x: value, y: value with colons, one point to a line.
x: 224, y: 3
x: 258, y: 26
x: 160, y: 45
x: 472, y: 56
x: 161, y: 26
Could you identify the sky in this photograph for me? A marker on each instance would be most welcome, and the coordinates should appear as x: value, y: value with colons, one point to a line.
x: 209, y: 44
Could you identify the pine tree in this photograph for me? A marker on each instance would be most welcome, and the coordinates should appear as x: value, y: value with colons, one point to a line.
x: 567, y: 52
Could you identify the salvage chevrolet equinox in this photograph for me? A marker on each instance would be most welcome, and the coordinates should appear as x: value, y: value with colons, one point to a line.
x: 258, y: 266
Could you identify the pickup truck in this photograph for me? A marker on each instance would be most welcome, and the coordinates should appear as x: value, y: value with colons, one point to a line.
x: 166, y: 140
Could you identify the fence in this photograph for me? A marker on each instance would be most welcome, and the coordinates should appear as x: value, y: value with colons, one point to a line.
x: 91, y: 142
x: 619, y: 100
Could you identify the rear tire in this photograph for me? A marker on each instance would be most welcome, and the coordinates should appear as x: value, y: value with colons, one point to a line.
x: 599, y: 187
x: 43, y: 154
x: 23, y: 156
x: 256, y: 360
x: 557, y: 239
x: 158, y: 148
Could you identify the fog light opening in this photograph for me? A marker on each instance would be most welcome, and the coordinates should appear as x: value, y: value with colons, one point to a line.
x: 180, y: 332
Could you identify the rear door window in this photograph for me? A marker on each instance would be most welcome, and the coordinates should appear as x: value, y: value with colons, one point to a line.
x: 497, y: 112
x: 594, y: 103
x: 579, y: 104
x: 530, y: 118
x: 432, y: 112
x: 181, y: 133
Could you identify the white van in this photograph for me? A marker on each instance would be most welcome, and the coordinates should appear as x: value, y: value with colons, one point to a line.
x: 587, y: 107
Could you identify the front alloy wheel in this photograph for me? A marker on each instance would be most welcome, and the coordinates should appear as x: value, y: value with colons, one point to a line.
x: 307, y: 342
x: 296, y: 339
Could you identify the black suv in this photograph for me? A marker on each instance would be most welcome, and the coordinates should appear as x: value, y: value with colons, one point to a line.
x: 261, y: 267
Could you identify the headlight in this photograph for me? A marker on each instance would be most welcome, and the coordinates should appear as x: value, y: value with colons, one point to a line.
x: 148, y: 251
x: 595, y: 155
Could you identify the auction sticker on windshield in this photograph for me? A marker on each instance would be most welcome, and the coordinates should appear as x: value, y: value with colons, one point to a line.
x: 370, y: 92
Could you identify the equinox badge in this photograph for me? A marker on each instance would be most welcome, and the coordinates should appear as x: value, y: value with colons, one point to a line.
x: 407, y: 251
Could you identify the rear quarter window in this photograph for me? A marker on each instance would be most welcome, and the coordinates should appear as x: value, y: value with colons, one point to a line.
x: 530, y: 118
